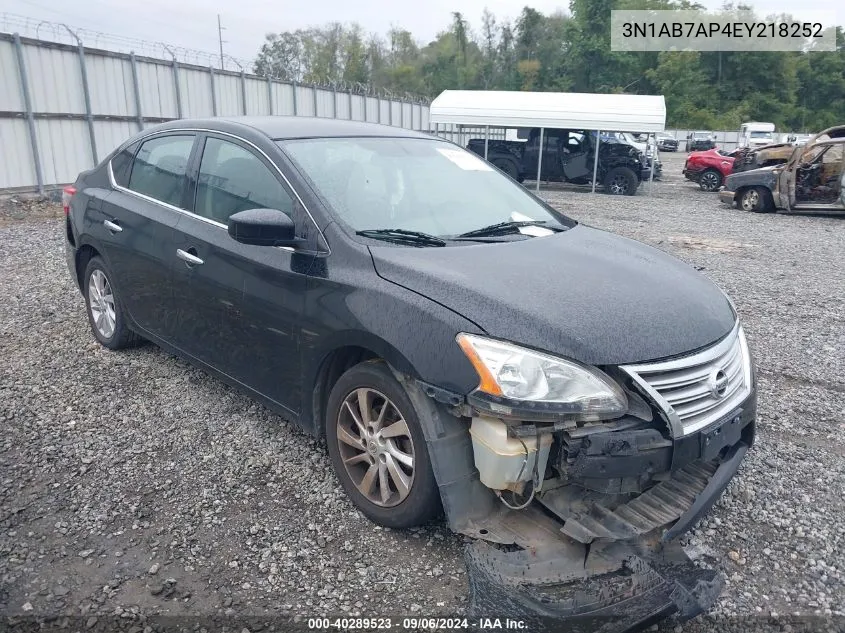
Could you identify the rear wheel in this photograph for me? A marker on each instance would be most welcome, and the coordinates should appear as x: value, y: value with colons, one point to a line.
x: 755, y: 199
x: 105, y: 310
x: 710, y: 180
x: 508, y: 166
x: 377, y: 448
x: 621, y: 181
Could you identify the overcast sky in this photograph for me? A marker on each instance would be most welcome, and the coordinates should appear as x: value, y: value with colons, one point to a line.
x: 193, y: 23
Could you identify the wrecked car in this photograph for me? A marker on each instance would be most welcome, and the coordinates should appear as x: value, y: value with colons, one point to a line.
x: 569, y: 156
x: 753, y: 158
x: 574, y: 401
x: 813, y: 178
x: 709, y: 168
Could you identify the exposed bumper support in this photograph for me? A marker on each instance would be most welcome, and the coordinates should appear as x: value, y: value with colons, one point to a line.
x: 715, y: 487
x: 726, y: 196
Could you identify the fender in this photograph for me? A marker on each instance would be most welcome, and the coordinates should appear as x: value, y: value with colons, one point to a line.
x: 314, y: 363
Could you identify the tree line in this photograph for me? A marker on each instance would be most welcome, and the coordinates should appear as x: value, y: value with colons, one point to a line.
x: 570, y: 52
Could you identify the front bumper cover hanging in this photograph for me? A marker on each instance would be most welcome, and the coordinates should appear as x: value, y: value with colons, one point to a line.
x: 640, y: 591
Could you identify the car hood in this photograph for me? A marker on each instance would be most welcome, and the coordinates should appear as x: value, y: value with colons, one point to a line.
x: 583, y: 293
x: 766, y: 176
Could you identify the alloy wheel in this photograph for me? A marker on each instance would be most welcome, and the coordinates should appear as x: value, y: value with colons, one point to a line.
x: 101, y: 303
x: 376, y: 447
x: 709, y: 181
x: 619, y: 185
x: 750, y: 200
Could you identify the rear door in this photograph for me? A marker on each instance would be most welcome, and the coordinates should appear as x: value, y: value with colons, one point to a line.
x: 551, y: 154
x: 139, y: 217
x: 239, y: 306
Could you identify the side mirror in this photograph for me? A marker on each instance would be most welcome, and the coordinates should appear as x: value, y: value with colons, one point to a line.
x: 263, y: 227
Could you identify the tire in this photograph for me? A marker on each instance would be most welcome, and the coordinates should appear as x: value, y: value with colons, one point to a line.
x: 754, y: 199
x: 104, y: 308
x: 621, y: 181
x: 710, y: 180
x: 371, y: 387
x: 508, y: 166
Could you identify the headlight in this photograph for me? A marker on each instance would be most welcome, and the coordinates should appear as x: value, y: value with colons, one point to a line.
x: 509, y: 371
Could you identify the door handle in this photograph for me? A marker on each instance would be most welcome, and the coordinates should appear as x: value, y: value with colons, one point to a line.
x: 187, y: 257
x: 114, y: 227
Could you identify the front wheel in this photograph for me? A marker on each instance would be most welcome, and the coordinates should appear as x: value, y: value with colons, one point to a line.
x: 378, y: 450
x: 621, y: 181
x: 755, y: 199
x: 710, y: 180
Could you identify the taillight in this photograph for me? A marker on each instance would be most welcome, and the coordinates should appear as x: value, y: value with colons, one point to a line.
x: 67, y: 193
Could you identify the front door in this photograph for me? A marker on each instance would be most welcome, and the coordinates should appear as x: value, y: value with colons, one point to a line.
x: 818, y: 181
x: 239, y: 306
x: 139, y: 218
x: 575, y: 157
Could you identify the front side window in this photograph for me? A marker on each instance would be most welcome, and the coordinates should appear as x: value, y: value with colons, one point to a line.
x: 423, y: 185
x: 160, y: 167
x: 833, y: 156
x: 233, y: 179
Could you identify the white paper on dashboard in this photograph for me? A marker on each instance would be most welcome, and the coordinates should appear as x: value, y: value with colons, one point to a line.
x: 464, y: 160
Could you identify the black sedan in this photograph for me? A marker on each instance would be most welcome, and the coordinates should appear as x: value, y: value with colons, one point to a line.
x: 461, y: 345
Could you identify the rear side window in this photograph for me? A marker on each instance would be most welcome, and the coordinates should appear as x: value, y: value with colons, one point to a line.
x: 121, y: 164
x: 233, y: 179
x: 160, y: 167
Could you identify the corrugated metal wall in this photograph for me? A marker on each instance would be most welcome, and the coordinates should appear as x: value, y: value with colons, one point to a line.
x: 128, y: 93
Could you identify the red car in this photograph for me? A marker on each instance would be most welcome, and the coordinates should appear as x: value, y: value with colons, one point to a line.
x: 709, y: 168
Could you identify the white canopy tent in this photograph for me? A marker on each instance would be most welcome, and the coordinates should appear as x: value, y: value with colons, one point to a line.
x: 560, y: 110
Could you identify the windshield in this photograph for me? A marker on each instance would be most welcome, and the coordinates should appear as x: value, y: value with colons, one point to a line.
x: 761, y: 135
x: 411, y: 184
x: 701, y: 135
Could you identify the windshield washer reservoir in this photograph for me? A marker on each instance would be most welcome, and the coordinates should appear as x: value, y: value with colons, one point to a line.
x: 502, y: 461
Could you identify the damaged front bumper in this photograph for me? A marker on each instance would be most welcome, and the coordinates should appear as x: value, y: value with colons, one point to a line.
x: 617, y: 590
x: 726, y: 196
x: 606, y: 584
x: 588, y: 554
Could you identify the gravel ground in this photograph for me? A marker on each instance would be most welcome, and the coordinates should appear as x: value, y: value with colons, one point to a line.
x: 132, y: 483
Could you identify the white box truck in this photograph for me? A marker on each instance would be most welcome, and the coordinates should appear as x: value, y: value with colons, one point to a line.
x: 756, y: 134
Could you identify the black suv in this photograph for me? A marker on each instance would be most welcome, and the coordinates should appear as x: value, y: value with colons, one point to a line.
x: 460, y: 344
x: 568, y: 156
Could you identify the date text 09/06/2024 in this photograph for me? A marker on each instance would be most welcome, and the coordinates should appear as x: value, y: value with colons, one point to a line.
x: 415, y: 623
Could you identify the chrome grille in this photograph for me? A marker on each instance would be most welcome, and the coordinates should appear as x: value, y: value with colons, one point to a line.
x: 697, y: 390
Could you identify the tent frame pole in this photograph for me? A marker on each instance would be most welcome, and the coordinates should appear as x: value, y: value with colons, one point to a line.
x: 486, y: 139
x: 653, y: 160
x: 596, y: 159
x: 540, y: 159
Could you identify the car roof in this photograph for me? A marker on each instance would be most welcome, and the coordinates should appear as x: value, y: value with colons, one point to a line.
x: 295, y: 127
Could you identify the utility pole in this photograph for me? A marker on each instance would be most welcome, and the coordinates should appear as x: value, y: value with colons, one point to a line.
x: 220, y: 30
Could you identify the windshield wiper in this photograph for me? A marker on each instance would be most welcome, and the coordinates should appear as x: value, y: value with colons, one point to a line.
x: 502, y: 228
x: 403, y: 236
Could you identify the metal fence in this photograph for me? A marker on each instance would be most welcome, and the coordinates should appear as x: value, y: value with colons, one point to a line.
x: 726, y: 140
x: 64, y: 107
